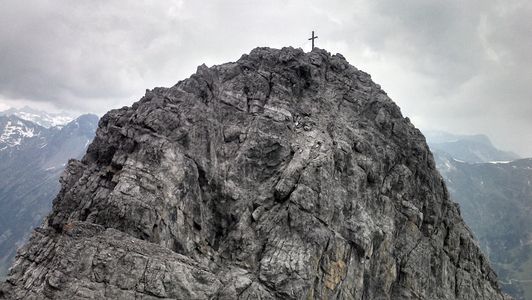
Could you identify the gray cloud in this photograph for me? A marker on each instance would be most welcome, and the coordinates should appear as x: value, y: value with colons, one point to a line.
x: 461, y: 66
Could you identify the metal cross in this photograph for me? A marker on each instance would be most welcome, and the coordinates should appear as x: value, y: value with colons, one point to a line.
x: 312, y: 39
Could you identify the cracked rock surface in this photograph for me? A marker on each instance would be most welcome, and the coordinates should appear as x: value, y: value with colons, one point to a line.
x: 284, y: 175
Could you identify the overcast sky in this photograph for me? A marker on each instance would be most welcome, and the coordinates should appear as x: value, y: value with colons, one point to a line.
x: 455, y: 65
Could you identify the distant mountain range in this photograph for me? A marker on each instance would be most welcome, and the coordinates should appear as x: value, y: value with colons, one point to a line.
x: 32, y: 157
x: 494, y: 190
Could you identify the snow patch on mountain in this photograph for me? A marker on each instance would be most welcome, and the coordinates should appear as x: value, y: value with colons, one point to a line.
x: 14, y: 133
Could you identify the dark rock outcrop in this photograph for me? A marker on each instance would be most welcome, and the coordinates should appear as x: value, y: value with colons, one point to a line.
x: 284, y: 175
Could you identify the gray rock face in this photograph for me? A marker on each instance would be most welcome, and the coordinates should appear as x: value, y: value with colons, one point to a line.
x: 284, y: 175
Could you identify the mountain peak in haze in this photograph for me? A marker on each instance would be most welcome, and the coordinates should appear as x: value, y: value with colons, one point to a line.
x: 476, y: 148
x: 42, y: 118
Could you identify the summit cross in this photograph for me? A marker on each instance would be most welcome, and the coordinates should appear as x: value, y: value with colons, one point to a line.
x: 312, y: 39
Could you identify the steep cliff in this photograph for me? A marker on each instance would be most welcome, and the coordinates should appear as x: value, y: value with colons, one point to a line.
x: 284, y: 175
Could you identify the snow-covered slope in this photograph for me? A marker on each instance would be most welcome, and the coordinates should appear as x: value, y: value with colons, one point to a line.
x: 42, y: 118
x: 14, y: 132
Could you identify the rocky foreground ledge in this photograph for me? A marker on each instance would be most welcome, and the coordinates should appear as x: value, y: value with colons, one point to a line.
x: 284, y: 175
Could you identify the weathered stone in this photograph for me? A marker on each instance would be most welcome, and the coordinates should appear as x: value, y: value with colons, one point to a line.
x: 285, y: 175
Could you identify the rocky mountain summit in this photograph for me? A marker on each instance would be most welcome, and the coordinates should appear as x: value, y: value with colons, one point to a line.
x: 284, y: 175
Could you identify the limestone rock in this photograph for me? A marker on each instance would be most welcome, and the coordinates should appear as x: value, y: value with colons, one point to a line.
x: 284, y: 175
